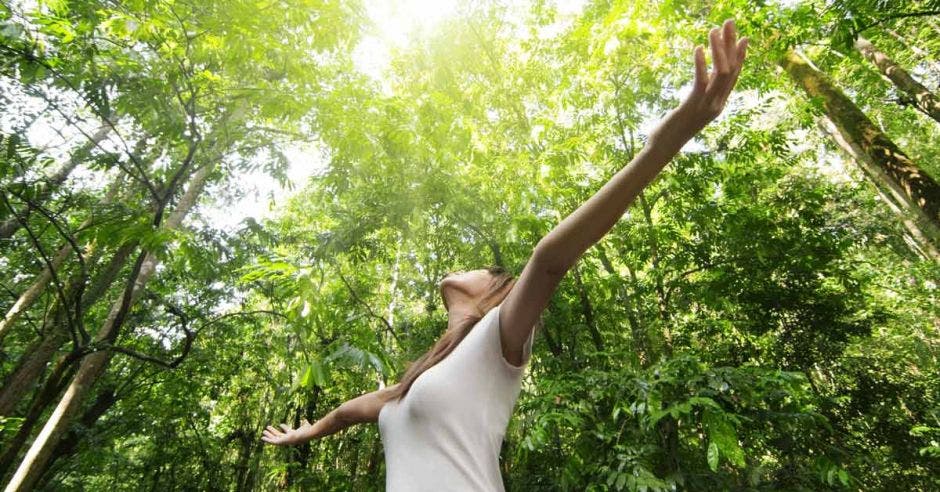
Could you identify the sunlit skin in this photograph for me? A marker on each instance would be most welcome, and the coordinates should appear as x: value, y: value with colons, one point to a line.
x: 461, y: 291
x: 560, y: 249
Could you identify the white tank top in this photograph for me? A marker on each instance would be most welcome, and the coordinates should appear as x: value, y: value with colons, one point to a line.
x: 446, y: 433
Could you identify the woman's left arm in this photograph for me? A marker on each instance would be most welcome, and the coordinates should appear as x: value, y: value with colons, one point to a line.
x: 562, y: 247
x: 558, y: 251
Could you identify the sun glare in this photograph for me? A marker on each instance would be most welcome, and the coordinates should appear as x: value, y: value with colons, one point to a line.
x: 393, y: 25
x: 396, y: 22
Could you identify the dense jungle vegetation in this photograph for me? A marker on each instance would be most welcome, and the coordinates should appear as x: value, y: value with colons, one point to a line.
x: 765, y: 315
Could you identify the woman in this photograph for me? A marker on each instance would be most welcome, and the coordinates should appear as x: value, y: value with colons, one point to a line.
x: 446, y: 435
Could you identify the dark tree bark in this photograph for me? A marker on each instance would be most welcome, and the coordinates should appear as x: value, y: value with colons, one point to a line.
x: 915, y: 238
x: 921, y: 96
x: 884, y: 160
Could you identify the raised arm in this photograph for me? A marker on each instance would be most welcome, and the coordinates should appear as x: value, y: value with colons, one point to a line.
x: 359, y: 410
x: 558, y: 251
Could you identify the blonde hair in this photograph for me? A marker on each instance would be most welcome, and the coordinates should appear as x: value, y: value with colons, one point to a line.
x: 499, y: 287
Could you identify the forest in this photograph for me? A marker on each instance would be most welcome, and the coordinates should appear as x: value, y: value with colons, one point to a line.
x: 219, y: 215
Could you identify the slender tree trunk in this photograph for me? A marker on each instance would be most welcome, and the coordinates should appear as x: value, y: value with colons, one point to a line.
x: 374, y: 456
x: 33, y: 362
x: 553, y: 346
x: 921, y: 96
x: 497, y: 253
x: 66, y: 447
x: 894, y: 169
x: 11, y: 225
x: 92, y: 366
x: 915, y: 238
x: 668, y: 428
x: 640, y: 339
x: 28, y: 371
x: 51, y: 388
x: 661, y: 300
x: 244, y: 454
x: 925, y: 57
x: 27, y: 298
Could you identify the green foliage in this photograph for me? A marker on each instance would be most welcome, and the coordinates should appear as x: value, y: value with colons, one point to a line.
x: 756, y: 321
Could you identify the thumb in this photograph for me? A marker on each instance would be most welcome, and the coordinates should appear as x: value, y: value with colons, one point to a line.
x: 305, y: 422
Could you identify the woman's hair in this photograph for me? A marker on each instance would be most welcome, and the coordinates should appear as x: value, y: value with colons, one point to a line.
x: 498, y: 289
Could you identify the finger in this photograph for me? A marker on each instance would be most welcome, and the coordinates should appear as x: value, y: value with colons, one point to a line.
x: 273, y: 430
x: 286, y: 428
x: 701, y: 75
x: 730, y: 36
x: 742, y: 50
x: 305, y: 422
x: 719, y: 68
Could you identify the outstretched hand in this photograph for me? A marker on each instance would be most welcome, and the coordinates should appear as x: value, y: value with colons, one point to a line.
x: 289, y: 436
x: 710, y: 90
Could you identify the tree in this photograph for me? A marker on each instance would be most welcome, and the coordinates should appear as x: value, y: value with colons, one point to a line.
x: 922, y: 97
x: 884, y: 161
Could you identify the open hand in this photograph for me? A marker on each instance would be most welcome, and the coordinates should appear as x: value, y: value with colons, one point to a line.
x: 289, y: 436
x: 710, y: 90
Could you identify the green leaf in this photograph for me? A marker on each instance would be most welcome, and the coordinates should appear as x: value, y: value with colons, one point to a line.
x: 722, y: 433
x: 712, y: 456
x: 306, y: 381
x: 319, y: 372
x: 10, y: 30
x: 620, y: 481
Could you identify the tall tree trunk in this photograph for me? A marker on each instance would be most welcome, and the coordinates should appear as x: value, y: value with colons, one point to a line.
x: 27, y: 298
x: 66, y: 447
x: 641, y: 342
x: 893, y: 168
x: 28, y: 371
x: 54, y: 384
x: 662, y: 301
x: 93, y: 365
x: 11, y: 225
x: 925, y: 57
x: 32, y: 363
x: 921, y: 96
x: 915, y: 238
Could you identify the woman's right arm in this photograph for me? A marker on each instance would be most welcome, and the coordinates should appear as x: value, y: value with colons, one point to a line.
x: 359, y: 410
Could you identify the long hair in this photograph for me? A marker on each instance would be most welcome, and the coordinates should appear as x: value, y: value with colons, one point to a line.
x: 499, y: 287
